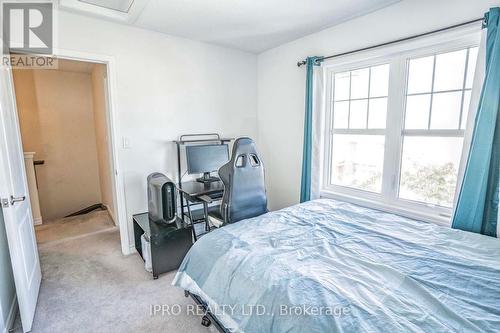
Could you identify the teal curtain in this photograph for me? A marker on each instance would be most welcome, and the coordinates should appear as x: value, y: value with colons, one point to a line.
x: 305, y: 185
x: 477, y: 206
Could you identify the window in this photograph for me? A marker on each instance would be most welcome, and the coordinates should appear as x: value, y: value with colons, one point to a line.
x: 396, y: 127
x: 437, y: 100
x: 359, y: 117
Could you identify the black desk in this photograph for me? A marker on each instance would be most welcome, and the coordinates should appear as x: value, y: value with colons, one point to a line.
x: 192, y: 191
x: 169, y: 242
x: 196, y: 189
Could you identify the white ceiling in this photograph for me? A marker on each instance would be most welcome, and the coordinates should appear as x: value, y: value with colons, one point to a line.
x: 249, y: 25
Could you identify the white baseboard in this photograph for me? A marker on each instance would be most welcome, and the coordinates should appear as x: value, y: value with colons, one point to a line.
x: 11, y: 317
x: 131, y: 250
x: 37, y: 221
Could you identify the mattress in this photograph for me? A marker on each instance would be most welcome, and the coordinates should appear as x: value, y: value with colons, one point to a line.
x: 331, y: 266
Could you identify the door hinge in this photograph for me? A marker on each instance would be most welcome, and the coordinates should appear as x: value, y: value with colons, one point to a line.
x: 5, y: 203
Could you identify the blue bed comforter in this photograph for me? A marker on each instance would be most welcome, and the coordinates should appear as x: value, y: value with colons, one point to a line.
x: 330, y: 266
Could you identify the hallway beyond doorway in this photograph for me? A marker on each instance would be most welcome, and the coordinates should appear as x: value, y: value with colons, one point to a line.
x: 71, y: 227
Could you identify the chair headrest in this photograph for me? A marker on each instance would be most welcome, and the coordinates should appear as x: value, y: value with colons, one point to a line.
x: 245, y: 155
x: 243, y: 146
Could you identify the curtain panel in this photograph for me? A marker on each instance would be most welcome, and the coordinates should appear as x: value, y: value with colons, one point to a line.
x: 307, y: 149
x: 477, y: 205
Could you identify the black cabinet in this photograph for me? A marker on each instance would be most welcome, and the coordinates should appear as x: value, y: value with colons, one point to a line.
x: 169, y: 242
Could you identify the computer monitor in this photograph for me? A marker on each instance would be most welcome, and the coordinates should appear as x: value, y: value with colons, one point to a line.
x: 205, y: 159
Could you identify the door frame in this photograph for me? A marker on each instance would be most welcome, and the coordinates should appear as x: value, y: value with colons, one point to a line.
x: 113, y: 131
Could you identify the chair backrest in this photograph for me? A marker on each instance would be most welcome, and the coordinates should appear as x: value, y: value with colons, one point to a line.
x: 244, y: 184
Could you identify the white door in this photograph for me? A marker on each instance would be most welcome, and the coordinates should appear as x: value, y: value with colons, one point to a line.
x: 15, y: 205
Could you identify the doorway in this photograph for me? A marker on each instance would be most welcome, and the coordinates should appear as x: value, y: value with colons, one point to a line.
x: 64, y: 122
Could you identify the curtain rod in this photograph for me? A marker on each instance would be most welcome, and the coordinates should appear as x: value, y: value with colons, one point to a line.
x: 303, y: 62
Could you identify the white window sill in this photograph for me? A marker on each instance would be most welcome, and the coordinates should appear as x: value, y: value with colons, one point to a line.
x: 389, y: 208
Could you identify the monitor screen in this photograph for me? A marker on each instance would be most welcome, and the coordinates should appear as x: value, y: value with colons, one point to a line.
x: 206, y: 158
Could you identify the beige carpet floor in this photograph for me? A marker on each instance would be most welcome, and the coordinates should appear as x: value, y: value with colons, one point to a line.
x: 89, y: 286
x: 73, y: 226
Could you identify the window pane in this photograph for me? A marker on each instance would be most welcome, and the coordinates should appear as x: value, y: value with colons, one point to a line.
x: 342, y: 83
x: 377, y: 113
x: 465, y: 111
x: 450, y: 69
x: 420, y: 75
x: 359, y: 83
x: 417, y: 111
x: 357, y: 117
x: 429, y: 169
x: 471, y: 67
x: 357, y: 161
x: 341, y: 115
x: 446, y: 110
x: 379, y: 81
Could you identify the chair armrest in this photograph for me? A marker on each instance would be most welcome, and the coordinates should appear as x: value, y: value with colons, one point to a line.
x: 206, y: 198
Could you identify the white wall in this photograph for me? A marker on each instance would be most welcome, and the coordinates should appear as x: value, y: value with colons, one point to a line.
x: 165, y: 86
x: 7, y: 288
x: 281, y: 84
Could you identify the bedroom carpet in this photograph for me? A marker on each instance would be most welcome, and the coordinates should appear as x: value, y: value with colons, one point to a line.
x: 75, y: 226
x: 89, y: 286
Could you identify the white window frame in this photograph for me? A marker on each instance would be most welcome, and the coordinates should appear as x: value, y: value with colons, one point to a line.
x: 397, y: 56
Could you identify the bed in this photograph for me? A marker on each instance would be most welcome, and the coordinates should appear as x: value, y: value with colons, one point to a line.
x: 331, y: 266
